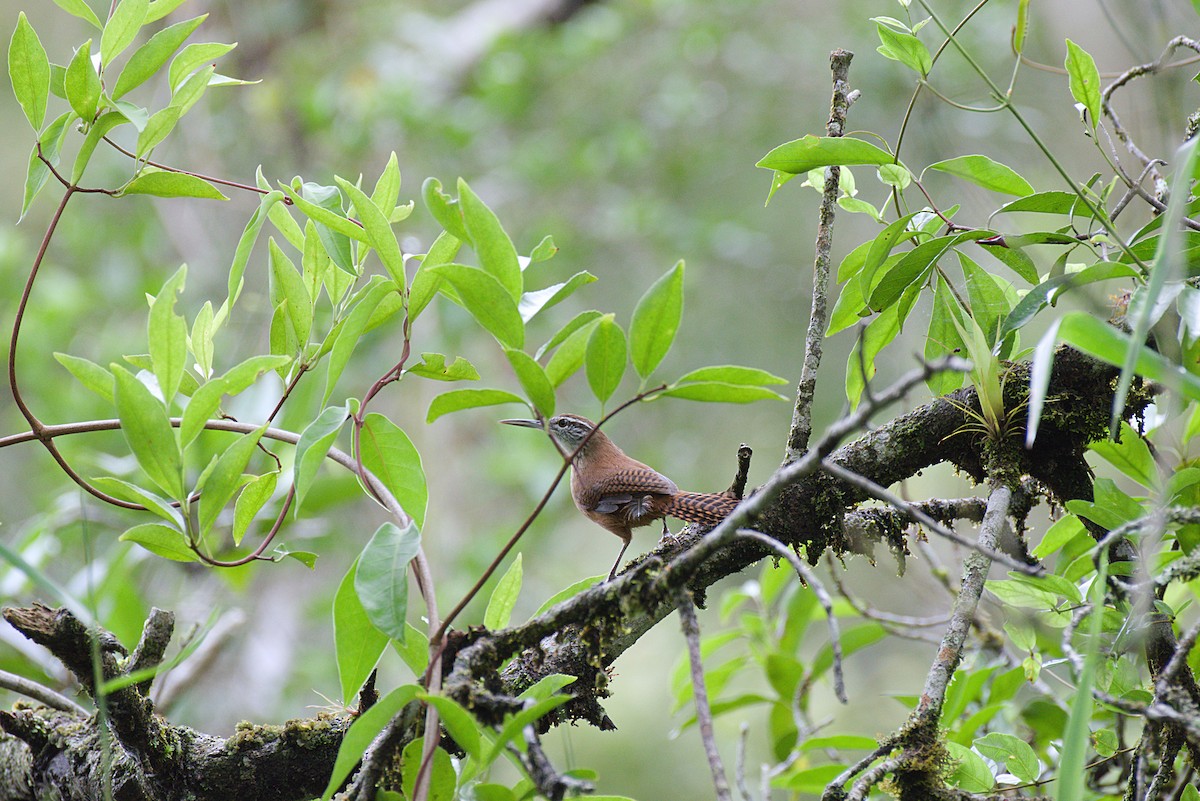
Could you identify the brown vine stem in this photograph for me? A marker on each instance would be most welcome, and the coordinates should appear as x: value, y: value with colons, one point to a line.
x: 287, y: 201
x: 806, y: 389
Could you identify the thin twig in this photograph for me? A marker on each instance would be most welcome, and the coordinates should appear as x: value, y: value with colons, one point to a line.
x: 691, y: 632
x: 810, y: 578
x: 41, y: 693
x: 839, y: 61
x: 916, y: 513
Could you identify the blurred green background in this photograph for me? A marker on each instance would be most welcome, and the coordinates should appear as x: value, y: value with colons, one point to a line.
x: 629, y: 132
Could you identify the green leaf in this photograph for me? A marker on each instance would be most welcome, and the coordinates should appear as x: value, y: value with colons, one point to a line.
x: 1015, y: 259
x: 492, y: 306
x: 496, y: 253
x: 29, y: 71
x: 1085, y: 81
x: 225, y: 478
x: 605, y: 358
x: 989, y: 303
x: 442, y: 778
x: 538, y: 300
x: 1130, y: 455
x: 160, y: 540
x: 382, y: 577
x: 458, y: 722
x: 147, y: 59
x: 387, y: 188
x: 809, y: 152
x: 152, y: 501
x: 148, y: 431
x: 79, y: 8
x: 51, y: 147
x: 315, y: 441
x: 391, y: 456
x: 1063, y: 531
x: 357, y: 643
x: 720, y: 392
x: 569, y: 592
x: 101, y: 128
x: 515, y: 724
x: 167, y: 334
x: 656, y: 321
x: 433, y: 366
x: 970, y: 773
x: 943, y: 339
x: 165, y: 183
x: 241, y: 256
x: 380, y: 235
x: 193, y: 57
x: 903, y: 47
x: 122, y: 28
x: 850, y: 306
x: 459, y: 399
x: 250, y: 502
x: 577, y: 322
x: 876, y: 252
x: 568, y: 358
x: 504, y: 597
x: 1051, y: 289
x: 352, y: 330
x: 82, y: 83
x: 414, y: 650
x: 733, y: 374
x: 158, y: 127
x: 533, y: 380
x: 207, y: 398
x: 90, y: 374
x: 287, y: 285
x: 191, y: 90
x: 363, y: 730
x: 982, y: 171
x: 1052, y: 202
x: 425, y: 283
x: 444, y: 209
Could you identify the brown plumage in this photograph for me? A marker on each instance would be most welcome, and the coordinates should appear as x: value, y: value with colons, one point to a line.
x: 619, y: 493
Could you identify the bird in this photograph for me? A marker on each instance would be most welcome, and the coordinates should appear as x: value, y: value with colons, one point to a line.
x: 618, y: 492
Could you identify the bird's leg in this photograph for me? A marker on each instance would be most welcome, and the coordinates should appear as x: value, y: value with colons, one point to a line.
x: 624, y: 544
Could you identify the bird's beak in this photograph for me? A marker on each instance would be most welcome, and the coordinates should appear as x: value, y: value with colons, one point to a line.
x: 525, y: 423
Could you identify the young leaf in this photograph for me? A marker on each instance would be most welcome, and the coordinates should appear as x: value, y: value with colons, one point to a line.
x: 158, y: 127
x: 387, y: 188
x: 733, y: 374
x: 122, y: 28
x: 29, y: 71
x: 148, y: 431
x: 720, y: 392
x: 225, y: 478
x: 459, y: 399
x: 132, y: 492
x: 570, y: 354
x: 147, y: 59
x: 192, y: 58
x: 390, y: 455
x: 444, y: 209
x: 982, y: 171
x: 90, y: 374
x: 379, y: 231
x: 82, y: 83
x: 809, y: 152
x: 164, y: 183
x: 655, y: 321
x: 903, y: 47
x: 539, y: 300
x: 161, y: 540
x: 569, y: 592
x: 50, y: 149
x: 496, y: 253
x: 1085, y: 81
x: 207, y: 398
x: 241, y: 255
x: 605, y: 358
x: 425, y: 283
x: 533, y: 380
x: 577, y: 322
x: 504, y: 597
x: 433, y: 366
x: 286, y: 285
x: 357, y: 643
x: 250, y: 501
x: 492, y: 306
x: 352, y: 330
x: 79, y: 8
x: 381, y: 580
x: 1130, y: 455
x: 314, y: 444
x: 167, y: 334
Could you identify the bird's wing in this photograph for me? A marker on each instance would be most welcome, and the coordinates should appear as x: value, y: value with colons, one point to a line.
x: 627, y: 483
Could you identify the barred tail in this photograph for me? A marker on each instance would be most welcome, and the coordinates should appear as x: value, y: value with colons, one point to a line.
x: 701, y: 507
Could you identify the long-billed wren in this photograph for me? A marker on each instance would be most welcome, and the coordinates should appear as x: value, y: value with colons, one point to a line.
x: 620, y: 493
